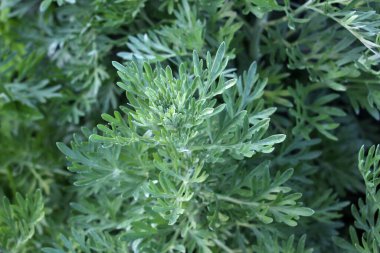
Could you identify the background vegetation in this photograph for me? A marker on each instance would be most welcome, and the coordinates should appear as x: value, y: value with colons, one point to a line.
x: 238, y: 126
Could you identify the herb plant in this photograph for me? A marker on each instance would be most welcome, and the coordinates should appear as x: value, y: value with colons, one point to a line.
x: 189, y: 126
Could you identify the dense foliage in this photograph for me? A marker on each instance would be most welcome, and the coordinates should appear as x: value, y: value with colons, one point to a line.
x: 189, y: 126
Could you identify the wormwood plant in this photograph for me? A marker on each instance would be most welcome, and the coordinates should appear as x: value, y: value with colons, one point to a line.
x: 189, y: 126
x: 178, y: 159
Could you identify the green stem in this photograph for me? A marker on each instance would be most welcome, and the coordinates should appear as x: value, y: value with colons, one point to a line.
x: 236, y: 201
x: 257, y: 32
x: 223, y: 246
x: 285, y: 18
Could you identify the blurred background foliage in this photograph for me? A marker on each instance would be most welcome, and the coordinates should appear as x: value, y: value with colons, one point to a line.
x: 320, y: 59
